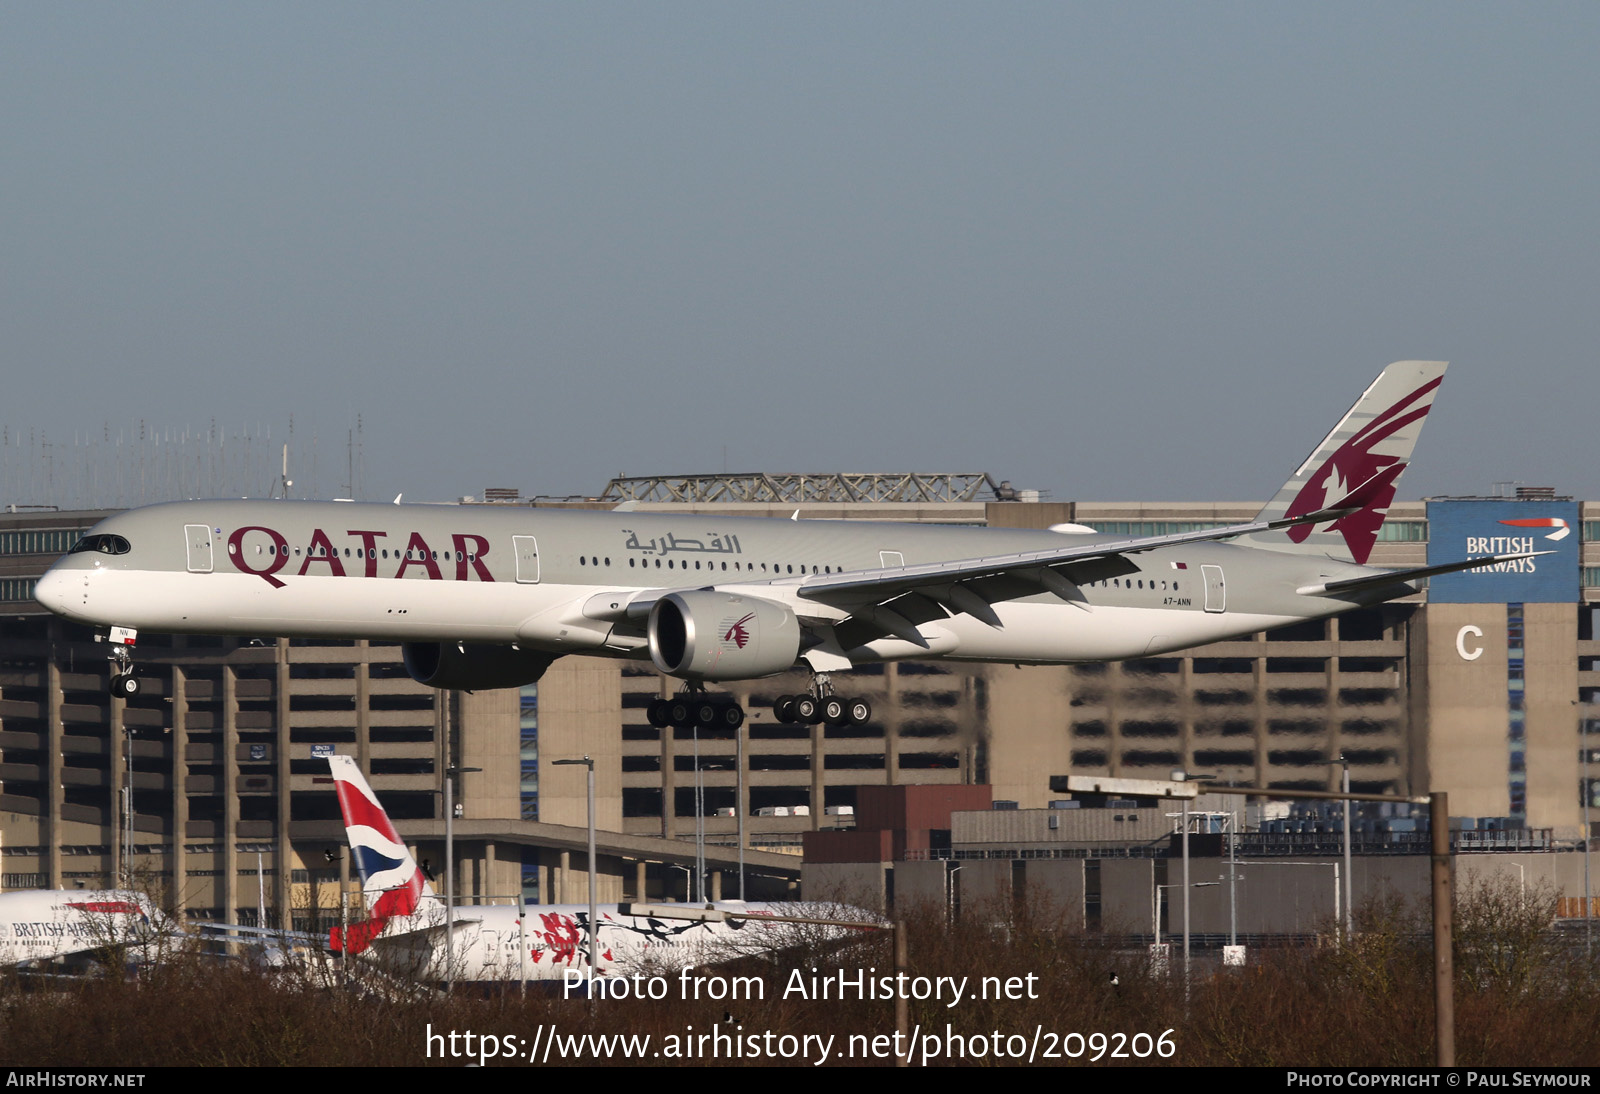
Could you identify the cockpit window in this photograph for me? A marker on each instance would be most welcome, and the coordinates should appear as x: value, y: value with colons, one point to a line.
x: 106, y: 545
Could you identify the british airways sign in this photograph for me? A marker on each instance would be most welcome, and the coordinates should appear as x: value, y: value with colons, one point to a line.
x: 1459, y: 528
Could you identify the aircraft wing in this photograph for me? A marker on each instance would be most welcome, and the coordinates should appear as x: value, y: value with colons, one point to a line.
x: 893, y: 600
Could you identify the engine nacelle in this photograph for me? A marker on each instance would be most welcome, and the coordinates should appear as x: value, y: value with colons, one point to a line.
x: 719, y: 636
x: 473, y: 668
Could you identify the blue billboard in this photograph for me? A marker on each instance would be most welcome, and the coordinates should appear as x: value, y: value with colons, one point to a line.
x: 1460, y: 529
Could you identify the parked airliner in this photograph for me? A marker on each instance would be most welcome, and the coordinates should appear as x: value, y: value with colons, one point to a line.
x: 488, y: 597
x: 38, y: 925
x: 405, y: 925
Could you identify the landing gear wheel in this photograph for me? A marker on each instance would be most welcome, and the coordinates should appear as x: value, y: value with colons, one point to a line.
x: 658, y: 714
x: 783, y: 708
x: 807, y: 710
x: 858, y: 712
x: 681, y: 714
x: 705, y: 713
x: 732, y: 716
x: 834, y: 711
x: 125, y: 685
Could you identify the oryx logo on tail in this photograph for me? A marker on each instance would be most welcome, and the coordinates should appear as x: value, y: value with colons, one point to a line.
x: 1358, y: 460
x: 1357, y: 467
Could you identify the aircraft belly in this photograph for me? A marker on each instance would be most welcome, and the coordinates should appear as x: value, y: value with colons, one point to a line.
x: 220, y: 603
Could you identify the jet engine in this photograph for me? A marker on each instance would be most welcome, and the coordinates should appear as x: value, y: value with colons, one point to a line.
x: 473, y: 668
x: 718, y: 636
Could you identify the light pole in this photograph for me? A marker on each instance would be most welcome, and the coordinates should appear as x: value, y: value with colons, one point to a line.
x: 1233, y: 877
x: 594, y: 926
x: 1180, y: 775
x: 1588, y: 799
x: 1349, y: 873
x: 1586, y: 796
x: 738, y: 802
x: 450, y: 774
x: 699, y: 822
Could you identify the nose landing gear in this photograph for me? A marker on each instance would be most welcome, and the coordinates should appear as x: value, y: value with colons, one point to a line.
x: 124, y: 682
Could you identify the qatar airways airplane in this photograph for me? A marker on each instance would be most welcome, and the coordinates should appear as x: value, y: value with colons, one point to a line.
x: 485, y: 597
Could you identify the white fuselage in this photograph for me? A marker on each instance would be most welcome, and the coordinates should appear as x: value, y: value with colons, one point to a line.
x: 37, y: 925
x: 561, y: 581
x: 488, y: 941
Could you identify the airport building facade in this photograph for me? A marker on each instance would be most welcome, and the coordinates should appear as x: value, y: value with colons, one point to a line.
x: 1487, y: 685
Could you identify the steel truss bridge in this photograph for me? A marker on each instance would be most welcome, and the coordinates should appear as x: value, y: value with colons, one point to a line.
x: 835, y: 488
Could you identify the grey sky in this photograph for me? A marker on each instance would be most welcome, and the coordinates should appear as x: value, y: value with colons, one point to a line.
x: 1111, y: 251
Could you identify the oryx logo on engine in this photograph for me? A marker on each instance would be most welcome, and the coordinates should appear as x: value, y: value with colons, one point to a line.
x: 737, y: 632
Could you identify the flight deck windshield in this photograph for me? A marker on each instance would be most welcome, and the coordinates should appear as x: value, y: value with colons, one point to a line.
x: 104, y: 544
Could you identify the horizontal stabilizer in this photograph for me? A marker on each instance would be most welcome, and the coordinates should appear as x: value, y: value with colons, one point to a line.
x: 1401, y: 577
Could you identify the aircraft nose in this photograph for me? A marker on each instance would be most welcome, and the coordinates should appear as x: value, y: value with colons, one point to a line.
x: 57, y: 590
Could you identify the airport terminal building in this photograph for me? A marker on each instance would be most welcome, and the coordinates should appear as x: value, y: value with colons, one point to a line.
x: 1487, y: 686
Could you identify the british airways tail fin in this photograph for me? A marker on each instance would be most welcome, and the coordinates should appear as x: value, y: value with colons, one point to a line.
x: 1361, y: 460
x: 392, y: 883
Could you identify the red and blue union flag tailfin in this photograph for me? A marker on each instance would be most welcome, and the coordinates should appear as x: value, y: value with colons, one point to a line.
x: 392, y: 883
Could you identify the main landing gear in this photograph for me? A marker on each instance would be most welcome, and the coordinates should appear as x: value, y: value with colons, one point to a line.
x: 821, y: 705
x: 695, y: 707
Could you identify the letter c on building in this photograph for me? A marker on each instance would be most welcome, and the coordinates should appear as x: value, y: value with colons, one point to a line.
x: 1461, y: 643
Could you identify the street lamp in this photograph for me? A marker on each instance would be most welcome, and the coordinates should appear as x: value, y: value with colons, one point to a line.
x: 1587, y: 795
x: 1180, y: 775
x: 450, y: 872
x: 594, y: 926
x: 1349, y: 873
